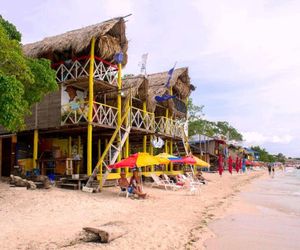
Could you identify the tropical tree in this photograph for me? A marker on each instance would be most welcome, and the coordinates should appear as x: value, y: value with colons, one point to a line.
x: 23, y: 81
x: 199, y: 125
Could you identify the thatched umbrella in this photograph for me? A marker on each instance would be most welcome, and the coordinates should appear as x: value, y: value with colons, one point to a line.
x: 110, y: 39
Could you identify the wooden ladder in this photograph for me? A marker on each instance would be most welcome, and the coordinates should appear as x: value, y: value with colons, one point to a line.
x: 113, y: 149
x: 185, y: 141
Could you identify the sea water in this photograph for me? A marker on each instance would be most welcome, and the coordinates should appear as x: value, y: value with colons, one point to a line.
x: 274, y: 222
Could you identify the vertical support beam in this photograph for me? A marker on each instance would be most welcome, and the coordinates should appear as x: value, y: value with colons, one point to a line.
x: 79, y: 145
x: 126, y: 152
x: 99, y: 148
x: 166, y: 151
x: 119, y: 105
x: 171, y: 152
x: 90, y: 111
x: 35, y: 147
x: 151, y: 152
x: 145, y: 136
x: 70, y: 147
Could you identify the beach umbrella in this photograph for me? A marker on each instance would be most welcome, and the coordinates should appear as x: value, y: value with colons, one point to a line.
x: 220, y: 164
x: 165, y: 158
x: 136, y: 160
x: 191, y: 160
x: 230, y: 165
x: 237, y: 162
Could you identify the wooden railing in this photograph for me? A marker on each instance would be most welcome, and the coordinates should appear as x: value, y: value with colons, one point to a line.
x: 141, y: 119
x: 168, y: 126
x: 77, y: 112
x: 79, y: 67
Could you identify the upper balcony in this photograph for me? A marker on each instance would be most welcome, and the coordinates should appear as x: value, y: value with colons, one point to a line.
x: 77, y: 69
x: 76, y: 113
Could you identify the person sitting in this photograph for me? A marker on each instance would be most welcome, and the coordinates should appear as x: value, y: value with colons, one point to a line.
x: 199, y: 177
x: 135, y: 183
x: 124, y: 184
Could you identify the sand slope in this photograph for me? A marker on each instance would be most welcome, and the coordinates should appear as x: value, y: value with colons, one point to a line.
x: 53, y: 219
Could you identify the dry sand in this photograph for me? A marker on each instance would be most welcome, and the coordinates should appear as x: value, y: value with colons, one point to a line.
x: 53, y: 219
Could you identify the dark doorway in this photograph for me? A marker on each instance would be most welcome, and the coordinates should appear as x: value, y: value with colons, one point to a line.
x: 6, y: 157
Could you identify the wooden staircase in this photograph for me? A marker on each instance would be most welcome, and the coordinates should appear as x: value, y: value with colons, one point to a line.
x: 112, y: 151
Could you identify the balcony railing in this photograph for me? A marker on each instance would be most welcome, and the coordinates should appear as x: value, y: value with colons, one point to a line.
x: 77, y: 112
x: 142, y: 120
x: 168, y: 126
x: 79, y: 67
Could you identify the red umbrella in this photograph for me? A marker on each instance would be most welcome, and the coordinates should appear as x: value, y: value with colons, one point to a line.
x: 185, y: 160
x: 237, y: 164
x: 230, y: 165
x: 136, y: 160
x: 220, y: 164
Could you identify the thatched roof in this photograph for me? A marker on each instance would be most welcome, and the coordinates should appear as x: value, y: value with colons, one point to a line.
x: 180, y: 83
x: 110, y: 39
x: 136, y: 86
x: 146, y: 88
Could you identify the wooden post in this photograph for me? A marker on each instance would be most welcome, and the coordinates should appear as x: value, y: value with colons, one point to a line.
x: 99, y: 148
x: 90, y: 111
x: 35, y: 147
x: 119, y: 105
x: 70, y: 147
x: 151, y: 152
x: 171, y: 152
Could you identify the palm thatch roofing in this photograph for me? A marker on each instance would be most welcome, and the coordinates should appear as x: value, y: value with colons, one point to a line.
x: 110, y: 39
x: 146, y: 88
x: 180, y: 83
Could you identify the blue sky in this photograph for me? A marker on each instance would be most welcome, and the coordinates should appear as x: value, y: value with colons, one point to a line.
x: 243, y: 56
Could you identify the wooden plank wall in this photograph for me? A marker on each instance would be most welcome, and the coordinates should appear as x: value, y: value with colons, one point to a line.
x: 48, y: 112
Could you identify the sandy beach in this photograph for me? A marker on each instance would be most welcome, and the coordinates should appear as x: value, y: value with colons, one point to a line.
x: 266, y: 215
x: 53, y: 219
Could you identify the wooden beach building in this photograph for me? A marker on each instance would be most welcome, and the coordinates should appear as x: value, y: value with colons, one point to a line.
x: 96, y: 118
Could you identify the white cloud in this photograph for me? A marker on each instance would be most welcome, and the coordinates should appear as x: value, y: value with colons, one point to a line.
x: 260, y: 139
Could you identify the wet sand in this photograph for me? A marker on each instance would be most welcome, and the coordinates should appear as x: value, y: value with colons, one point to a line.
x: 265, y: 216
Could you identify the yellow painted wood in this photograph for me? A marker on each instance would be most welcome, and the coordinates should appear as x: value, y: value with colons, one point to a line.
x: 90, y: 111
x: 70, y: 147
x: 35, y: 147
x: 119, y: 105
x: 171, y: 152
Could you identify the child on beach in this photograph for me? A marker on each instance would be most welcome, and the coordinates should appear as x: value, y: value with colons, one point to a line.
x: 135, y: 183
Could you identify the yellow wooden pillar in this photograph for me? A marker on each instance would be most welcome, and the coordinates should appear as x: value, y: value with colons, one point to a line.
x: 70, y: 147
x: 145, y: 136
x: 35, y: 147
x: 151, y: 152
x: 171, y: 152
x: 126, y: 152
x: 119, y: 106
x: 90, y: 111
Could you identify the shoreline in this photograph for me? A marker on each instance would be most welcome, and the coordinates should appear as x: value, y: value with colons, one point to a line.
x: 53, y: 219
x: 199, y: 234
x: 264, y: 216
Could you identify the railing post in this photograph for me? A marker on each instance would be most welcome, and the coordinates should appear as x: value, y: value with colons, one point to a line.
x: 90, y: 113
x: 144, y: 118
x: 35, y: 147
x: 119, y: 60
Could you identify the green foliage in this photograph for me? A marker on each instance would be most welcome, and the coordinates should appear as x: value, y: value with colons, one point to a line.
x: 23, y: 81
x: 197, y: 125
x: 194, y: 112
x: 267, y: 157
x: 44, y: 80
x: 12, y: 105
x: 10, y: 29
